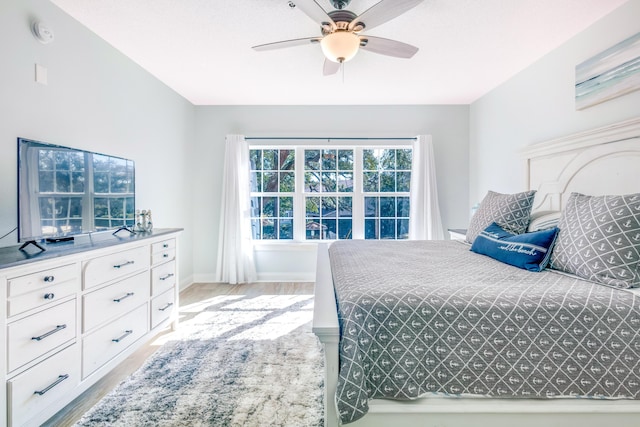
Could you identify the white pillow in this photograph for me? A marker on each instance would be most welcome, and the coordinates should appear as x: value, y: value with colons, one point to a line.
x: 543, y: 220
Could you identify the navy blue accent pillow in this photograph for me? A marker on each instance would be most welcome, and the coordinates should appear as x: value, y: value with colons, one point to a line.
x: 530, y: 251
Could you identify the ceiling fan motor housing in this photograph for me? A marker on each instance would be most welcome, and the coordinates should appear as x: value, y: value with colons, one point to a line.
x: 340, y: 4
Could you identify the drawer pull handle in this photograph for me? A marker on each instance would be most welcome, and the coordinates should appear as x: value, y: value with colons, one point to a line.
x: 166, y: 245
x: 165, y: 255
x: 49, y: 279
x: 43, y: 336
x: 122, y: 265
x: 167, y: 276
x: 52, y: 385
x: 49, y: 296
x: 169, y: 304
x: 126, y: 333
x: 129, y: 294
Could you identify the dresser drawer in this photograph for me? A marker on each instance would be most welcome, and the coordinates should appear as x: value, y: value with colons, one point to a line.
x: 41, y: 288
x: 107, y: 342
x: 41, y: 297
x: 114, y: 300
x: 163, y: 245
x: 110, y: 267
x: 35, y: 335
x: 161, y: 307
x: 47, y: 382
x: 163, y: 278
x: 164, y: 256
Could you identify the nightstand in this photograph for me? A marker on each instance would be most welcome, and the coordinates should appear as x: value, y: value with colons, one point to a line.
x: 457, y: 234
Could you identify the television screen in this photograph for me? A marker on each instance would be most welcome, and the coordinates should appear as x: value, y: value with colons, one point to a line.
x: 64, y: 191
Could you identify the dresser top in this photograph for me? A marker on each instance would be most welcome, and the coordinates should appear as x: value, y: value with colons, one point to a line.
x: 11, y: 256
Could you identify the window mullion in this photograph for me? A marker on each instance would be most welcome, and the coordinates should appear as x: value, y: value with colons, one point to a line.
x: 298, y: 201
x: 358, y: 195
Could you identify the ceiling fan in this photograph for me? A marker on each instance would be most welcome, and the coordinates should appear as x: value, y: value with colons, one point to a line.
x: 341, y: 31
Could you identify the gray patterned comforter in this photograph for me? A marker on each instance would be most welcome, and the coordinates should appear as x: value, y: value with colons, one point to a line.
x: 424, y: 316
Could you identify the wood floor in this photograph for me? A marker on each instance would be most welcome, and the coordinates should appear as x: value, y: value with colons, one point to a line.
x: 193, y: 294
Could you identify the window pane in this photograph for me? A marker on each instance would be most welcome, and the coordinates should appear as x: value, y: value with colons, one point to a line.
x: 314, y: 230
x: 330, y: 231
x: 287, y: 182
x: 255, y: 159
x: 388, y: 159
x: 270, y: 160
x: 403, y: 180
x: 387, y: 207
x: 328, y: 207
x: 311, y: 182
x: 255, y: 206
x: 329, y: 181
x: 312, y: 160
x: 329, y: 160
x: 269, y: 206
x: 345, y: 160
x: 269, y: 228
x: 286, y: 229
x: 287, y: 160
x: 403, y: 159
x: 403, y: 207
x: 403, y: 229
x: 370, y: 206
x: 270, y: 182
x: 370, y: 229
x: 312, y: 207
x: 345, y: 208
x: 344, y: 228
x: 286, y: 207
x: 256, y: 181
x: 345, y: 182
x: 370, y: 183
x: 388, y: 181
x: 256, y: 232
x: 369, y: 160
x: 387, y: 229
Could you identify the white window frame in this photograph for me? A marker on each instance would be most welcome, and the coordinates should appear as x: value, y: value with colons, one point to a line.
x: 299, y: 222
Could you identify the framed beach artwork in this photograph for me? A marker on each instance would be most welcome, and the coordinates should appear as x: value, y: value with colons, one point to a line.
x: 609, y: 74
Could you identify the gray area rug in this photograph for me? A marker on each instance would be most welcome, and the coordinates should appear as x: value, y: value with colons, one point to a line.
x: 235, y: 361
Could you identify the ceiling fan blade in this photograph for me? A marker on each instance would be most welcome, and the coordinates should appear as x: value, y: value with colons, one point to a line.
x: 286, y: 43
x: 382, y: 12
x: 387, y: 47
x: 314, y: 11
x: 330, y: 67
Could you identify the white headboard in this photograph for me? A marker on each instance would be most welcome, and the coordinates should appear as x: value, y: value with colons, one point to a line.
x: 601, y: 161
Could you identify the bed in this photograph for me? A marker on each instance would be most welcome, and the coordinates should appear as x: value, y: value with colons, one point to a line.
x: 516, y: 374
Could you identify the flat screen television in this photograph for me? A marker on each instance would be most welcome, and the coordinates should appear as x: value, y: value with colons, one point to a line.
x: 64, y: 191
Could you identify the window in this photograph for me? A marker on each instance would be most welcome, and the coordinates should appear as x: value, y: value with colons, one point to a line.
x: 327, y: 193
x: 272, y: 192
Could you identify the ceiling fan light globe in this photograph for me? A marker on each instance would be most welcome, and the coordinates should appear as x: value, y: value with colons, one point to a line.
x: 340, y: 46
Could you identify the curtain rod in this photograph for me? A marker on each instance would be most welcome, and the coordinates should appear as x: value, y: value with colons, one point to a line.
x: 328, y: 138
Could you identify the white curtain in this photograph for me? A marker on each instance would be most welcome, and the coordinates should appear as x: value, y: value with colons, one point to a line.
x: 235, y: 249
x: 424, y: 216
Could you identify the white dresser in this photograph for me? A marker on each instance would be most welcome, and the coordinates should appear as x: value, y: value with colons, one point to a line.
x: 75, y: 311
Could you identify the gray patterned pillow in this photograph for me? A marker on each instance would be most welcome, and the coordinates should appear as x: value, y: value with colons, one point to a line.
x: 509, y: 211
x: 599, y: 239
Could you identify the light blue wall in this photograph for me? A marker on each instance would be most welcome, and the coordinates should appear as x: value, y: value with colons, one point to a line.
x: 538, y: 104
x: 96, y: 99
x: 447, y: 124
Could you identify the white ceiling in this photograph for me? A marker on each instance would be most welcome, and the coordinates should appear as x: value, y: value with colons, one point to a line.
x: 202, y: 48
